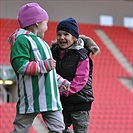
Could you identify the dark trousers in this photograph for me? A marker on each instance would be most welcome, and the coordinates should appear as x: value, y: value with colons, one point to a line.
x: 79, y: 120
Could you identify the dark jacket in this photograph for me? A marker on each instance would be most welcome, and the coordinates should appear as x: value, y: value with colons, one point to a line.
x: 66, y: 67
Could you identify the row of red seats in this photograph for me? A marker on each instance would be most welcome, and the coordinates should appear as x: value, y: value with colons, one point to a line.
x: 7, y: 115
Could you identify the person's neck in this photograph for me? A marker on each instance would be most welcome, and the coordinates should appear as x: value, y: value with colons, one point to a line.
x: 32, y: 29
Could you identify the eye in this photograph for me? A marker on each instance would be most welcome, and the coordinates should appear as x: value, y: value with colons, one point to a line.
x: 58, y: 34
x: 66, y: 34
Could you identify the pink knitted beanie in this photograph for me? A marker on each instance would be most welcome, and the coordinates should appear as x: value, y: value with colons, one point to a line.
x: 31, y: 13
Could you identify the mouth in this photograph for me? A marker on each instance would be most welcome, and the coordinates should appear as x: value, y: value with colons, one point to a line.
x: 63, y: 43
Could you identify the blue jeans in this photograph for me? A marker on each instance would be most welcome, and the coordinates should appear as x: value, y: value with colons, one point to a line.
x: 79, y: 120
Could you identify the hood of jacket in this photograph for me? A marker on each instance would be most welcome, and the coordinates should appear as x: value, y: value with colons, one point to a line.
x: 12, y: 38
x: 90, y: 45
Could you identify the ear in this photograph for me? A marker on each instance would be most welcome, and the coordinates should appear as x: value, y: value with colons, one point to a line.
x: 75, y: 39
x: 37, y: 24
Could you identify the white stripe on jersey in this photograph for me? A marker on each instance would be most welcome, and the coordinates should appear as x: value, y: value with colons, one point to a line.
x: 29, y: 92
x: 42, y: 97
x: 21, y: 89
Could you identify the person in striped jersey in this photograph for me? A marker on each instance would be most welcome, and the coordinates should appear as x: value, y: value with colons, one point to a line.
x: 38, y: 83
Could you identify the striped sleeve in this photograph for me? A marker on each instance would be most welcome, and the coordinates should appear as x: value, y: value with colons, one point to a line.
x: 35, y: 67
x: 62, y: 82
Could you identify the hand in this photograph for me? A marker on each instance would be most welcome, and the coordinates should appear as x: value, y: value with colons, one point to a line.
x: 66, y: 88
x: 52, y: 63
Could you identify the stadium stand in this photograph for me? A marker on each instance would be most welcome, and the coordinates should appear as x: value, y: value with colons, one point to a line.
x: 7, y: 118
x: 122, y: 42
x: 112, y: 110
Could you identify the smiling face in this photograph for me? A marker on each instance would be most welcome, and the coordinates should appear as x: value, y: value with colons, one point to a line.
x: 65, y: 39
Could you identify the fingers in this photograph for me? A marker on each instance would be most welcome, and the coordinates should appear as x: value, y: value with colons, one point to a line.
x: 66, y: 89
x: 52, y: 63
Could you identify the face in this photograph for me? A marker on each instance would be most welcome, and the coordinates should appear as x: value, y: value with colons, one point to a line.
x: 65, y: 39
x: 42, y: 27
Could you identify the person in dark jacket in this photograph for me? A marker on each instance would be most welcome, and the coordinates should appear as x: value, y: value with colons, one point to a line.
x: 73, y: 62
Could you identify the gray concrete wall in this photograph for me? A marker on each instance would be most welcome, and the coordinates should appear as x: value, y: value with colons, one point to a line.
x: 84, y: 11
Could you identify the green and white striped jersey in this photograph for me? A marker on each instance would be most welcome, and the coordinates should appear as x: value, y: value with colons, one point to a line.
x: 37, y: 93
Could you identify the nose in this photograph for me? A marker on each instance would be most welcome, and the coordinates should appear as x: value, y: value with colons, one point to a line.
x: 62, y: 36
